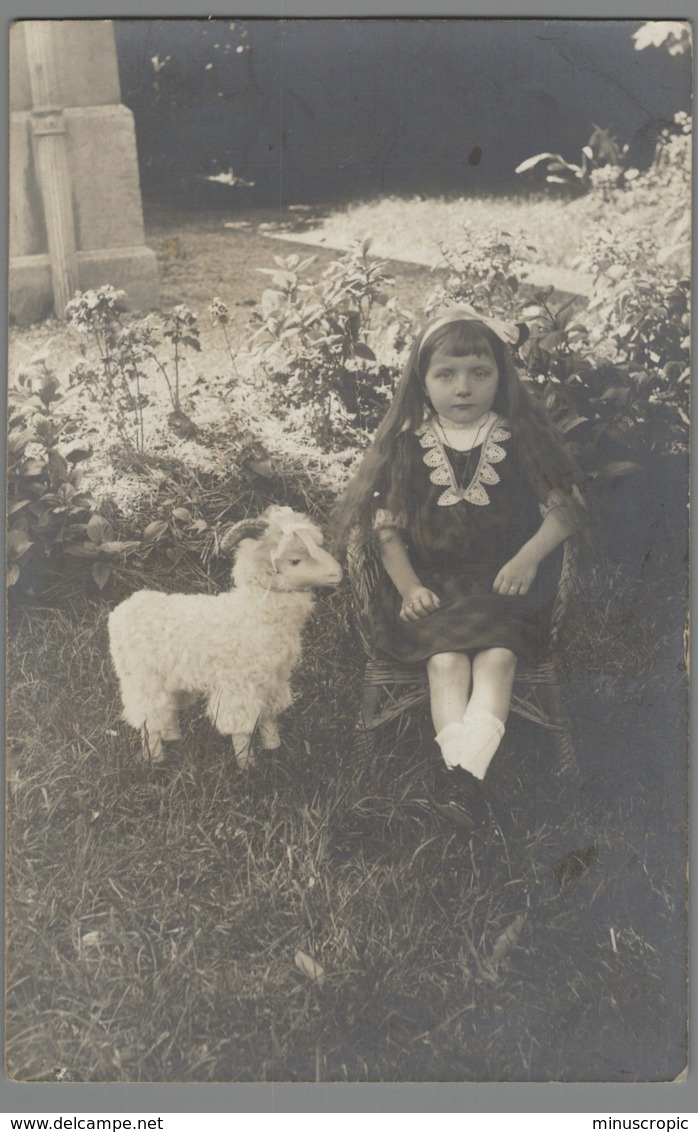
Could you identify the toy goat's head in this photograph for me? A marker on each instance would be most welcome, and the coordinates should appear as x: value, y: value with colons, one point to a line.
x: 282, y: 550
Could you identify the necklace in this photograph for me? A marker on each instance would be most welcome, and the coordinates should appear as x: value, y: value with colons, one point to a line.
x: 462, y: 436
x: 461, y: 483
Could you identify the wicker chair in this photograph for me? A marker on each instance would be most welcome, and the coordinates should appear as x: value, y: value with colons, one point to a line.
x: 392, y: 690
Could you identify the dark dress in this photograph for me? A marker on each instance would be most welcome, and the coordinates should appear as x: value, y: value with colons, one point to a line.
x: 457, y: 548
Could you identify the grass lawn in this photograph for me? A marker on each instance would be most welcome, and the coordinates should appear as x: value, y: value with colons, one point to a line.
x: 162, y: 921
x: 416, y: 228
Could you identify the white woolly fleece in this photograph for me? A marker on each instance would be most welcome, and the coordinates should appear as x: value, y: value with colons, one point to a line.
x: 237, y: 649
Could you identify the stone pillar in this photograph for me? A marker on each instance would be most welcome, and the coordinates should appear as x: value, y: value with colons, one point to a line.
x: 48, y: 127
x: 75, y: 208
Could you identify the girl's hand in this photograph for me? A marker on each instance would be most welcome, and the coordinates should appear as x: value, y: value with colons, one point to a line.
x: 418, y: 603
x: 516, y: 576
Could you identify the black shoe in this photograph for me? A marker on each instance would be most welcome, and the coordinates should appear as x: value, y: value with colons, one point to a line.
x: 463, y: 799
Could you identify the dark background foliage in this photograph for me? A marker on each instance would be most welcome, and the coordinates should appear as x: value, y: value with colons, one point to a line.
x: 314, y: 110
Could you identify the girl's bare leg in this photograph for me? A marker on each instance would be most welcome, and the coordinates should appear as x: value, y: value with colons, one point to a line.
x: 493, y: 680
x: 449, y: 687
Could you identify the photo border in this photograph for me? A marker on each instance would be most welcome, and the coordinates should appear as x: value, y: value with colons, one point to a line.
x: 495, y: 1097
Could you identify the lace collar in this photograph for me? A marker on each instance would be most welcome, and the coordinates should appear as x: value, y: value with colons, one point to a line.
x: 442, y: 474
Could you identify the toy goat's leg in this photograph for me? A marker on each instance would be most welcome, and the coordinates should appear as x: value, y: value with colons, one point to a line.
x: 230, y: 717
x: 153, y: 747
x: 268, y: 726
x: 150, y: 711
x: 242, y: 745
x: 164, y: 717
x: 161, y: 726
x: 269, y: 733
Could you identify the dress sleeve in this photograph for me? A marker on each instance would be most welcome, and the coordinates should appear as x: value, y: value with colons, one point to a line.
x: 383, y: 517
x: 556, y: 498
x: 559, y: 497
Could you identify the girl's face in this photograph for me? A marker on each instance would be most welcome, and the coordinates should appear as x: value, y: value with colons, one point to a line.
x: 462, y: 388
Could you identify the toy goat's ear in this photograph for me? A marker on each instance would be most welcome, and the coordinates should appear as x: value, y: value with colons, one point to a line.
x: 247, y: 528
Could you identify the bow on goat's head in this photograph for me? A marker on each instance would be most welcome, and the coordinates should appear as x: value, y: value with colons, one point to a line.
x: 284, y: 552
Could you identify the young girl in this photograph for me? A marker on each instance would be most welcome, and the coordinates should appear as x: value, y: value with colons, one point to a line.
x: 469, y: 492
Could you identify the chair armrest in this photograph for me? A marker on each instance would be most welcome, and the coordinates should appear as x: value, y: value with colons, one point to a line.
x: 363, y: 572
x: 565, y: 589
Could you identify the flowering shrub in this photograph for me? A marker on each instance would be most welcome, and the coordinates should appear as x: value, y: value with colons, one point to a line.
x: 592, y: 396
x: 128, y: 358
x: 614, y: 365
x: 641, y: 308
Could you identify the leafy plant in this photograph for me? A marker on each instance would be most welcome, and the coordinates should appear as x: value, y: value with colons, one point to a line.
x: 181, y: 330
x: 100, y: 545
x: 639, y: 308
x: 115, y: 380
x: 602, y: 165
x: 486, y: 270
x: 49, y: 510
x: 220, y: 316
x: 314, y: 341
x: 656, y: 201
x: 52, y: 516
x: 128, y: 356
x: 627, y: 382
x: 588, y: 397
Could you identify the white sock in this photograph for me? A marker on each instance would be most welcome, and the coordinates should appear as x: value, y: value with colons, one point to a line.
x: 482, y: 734
x: 452, y: 741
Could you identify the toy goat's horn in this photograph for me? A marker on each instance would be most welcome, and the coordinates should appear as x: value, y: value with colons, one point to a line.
x: 246, y: 528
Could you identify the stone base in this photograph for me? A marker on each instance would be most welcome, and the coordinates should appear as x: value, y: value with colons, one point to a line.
x: 133, y: 270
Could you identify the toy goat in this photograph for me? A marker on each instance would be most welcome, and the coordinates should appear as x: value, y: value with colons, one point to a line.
x: 237, y: 649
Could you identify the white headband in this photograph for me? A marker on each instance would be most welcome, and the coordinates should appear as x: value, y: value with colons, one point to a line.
x: 505, y: 331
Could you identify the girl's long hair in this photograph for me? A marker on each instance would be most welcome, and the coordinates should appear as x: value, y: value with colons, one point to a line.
x: 388, y: 462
